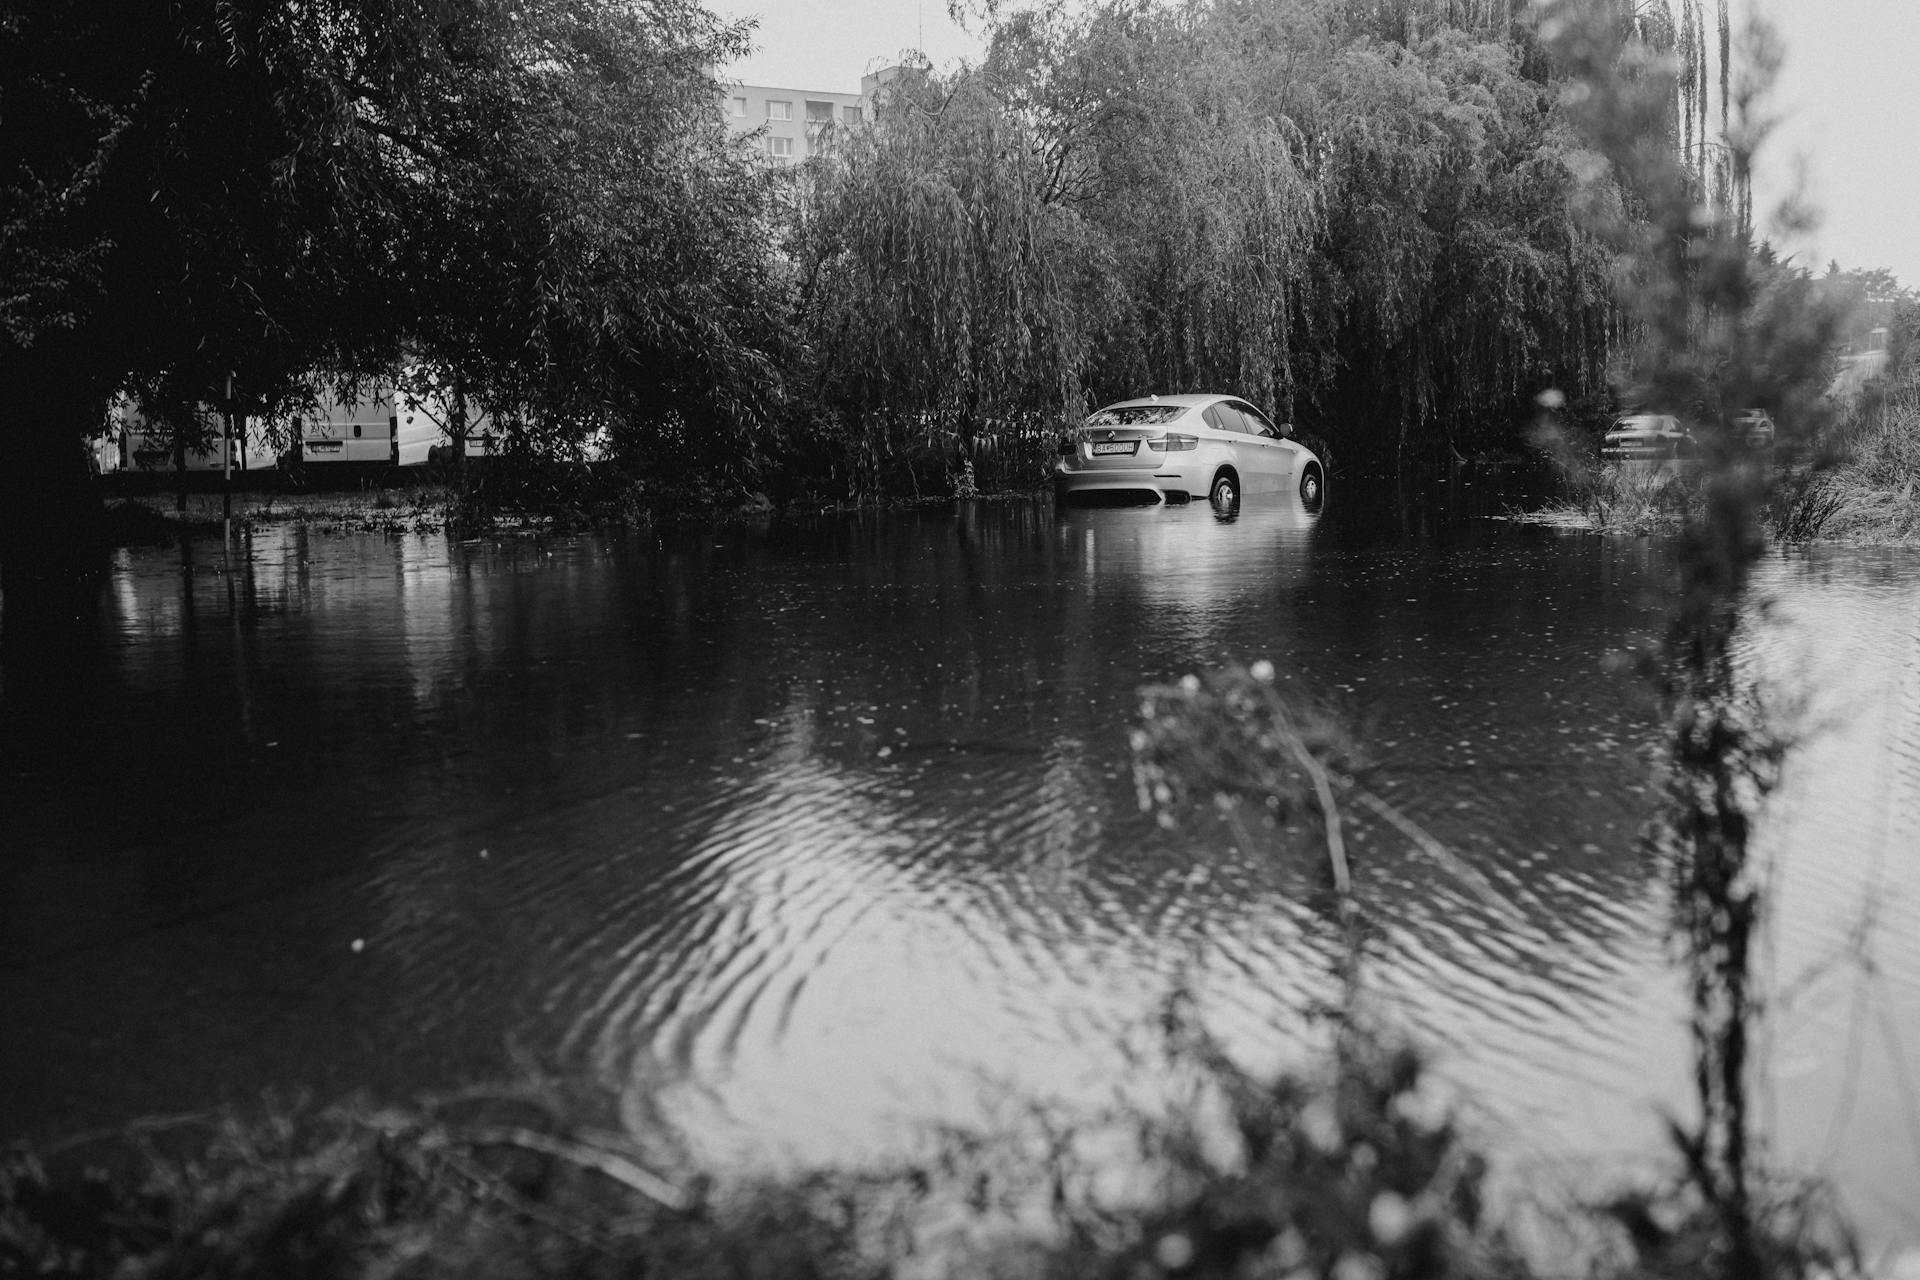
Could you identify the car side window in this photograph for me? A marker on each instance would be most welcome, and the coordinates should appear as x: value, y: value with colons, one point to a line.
x: 1257, y: 422
x: 1215, y: 418
x: 1227, y: 418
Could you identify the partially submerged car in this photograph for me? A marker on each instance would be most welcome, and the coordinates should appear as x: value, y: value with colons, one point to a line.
x: 1754, y: 429
x: 1647, y: 436
x: 1177, y: 448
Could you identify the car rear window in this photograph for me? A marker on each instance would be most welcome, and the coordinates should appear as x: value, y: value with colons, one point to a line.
x: 1136, y: 415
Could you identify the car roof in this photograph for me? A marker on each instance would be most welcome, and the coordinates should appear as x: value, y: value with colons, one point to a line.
x: 1184, y: 401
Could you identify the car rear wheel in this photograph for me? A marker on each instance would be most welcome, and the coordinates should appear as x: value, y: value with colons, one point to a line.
x: 1225, y: 494
x: 1311, y: 488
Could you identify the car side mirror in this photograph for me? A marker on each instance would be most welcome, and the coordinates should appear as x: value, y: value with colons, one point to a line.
x: 1286, y: 431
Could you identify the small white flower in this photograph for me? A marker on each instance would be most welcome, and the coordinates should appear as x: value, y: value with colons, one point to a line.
x: 1389, y: 1217
x: 1320, y: 1127
x: 1174, y: 1251
x: 1262, y: 671
x: 1359, y: 1266
x: 1905, y: 1266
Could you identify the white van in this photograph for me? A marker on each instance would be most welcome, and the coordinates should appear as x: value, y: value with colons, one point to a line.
x: 364, y: 429
x: 422, y: 419
x: 136, y: 442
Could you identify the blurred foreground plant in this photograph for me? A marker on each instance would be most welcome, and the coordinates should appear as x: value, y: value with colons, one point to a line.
x: 1233, y: 739
x: 1351, y: 1169
x: 1354, y: 1170
x: 1722, y: 328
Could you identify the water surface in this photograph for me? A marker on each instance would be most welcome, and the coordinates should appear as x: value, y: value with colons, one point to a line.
x: 805, y: 836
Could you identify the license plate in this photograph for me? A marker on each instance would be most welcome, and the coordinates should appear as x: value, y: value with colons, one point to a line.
x: 1116, y: 446
x: 323, y: 446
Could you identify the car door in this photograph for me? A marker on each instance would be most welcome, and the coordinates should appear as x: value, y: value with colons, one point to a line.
x: 1231, y: 435
x: 1270, y: 453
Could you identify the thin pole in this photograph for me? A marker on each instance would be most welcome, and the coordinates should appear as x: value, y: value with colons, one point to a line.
x: 226, y: 462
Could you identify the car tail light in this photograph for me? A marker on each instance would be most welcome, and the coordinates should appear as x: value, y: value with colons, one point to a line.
x: 1173, y: 443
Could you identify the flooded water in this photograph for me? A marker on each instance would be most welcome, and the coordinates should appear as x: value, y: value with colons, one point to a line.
x: 804, y: 837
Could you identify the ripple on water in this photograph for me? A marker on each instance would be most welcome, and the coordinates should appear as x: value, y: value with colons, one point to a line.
x: 808, y: 838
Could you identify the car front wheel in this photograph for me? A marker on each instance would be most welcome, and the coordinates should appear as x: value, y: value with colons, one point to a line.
x: 1311, y: 489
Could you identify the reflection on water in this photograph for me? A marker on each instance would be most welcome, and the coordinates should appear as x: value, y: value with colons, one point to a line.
x: 1842, y: 648
x: 800, y: 833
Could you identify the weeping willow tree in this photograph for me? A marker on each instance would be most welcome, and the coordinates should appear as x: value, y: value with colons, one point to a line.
x: 936, y: 281
x: 1362, y: 213
x: 1688, y: 180
x: 1203, y: 198
x: 1408, y: 22
x: 1707, y: 158
x: 1356, y: 212
x: 1464, y: 282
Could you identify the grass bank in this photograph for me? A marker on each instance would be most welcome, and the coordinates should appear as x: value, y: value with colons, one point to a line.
x: 1870, y: 496
x: 437, y: 507
x: 422, y: 508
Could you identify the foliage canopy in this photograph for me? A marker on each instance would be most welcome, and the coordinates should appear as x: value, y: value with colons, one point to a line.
x: 535, y: 195
x: 1353, y: 212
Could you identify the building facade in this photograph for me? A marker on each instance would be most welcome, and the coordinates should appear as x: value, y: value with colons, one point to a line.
x: 795, y: 124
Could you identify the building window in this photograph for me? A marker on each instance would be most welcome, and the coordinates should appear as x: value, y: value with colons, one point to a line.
x: 819, y: 113
x: 737, y: 107
x: 780, y: 148
x: 779, y: 110
x: 849, y: 115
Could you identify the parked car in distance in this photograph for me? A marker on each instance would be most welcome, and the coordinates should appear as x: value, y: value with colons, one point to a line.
x: 1754, y: 428
x: 1177, y: 448
x: 1650, y: 436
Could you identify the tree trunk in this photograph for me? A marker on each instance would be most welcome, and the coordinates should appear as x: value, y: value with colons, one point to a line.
x: 52, y: 525
x: 457, y: 433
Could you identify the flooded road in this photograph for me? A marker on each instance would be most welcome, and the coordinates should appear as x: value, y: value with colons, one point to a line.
x: 802, y: 837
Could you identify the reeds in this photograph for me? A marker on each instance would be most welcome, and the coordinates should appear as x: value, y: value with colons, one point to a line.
x: 1869, y: 493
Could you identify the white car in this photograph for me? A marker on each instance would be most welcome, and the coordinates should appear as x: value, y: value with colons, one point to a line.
x: 1754, y: 429
x: 1641, y: 437
x: 1177, y: 448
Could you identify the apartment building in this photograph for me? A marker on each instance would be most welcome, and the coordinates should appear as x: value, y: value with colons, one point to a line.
x: 797, y: 123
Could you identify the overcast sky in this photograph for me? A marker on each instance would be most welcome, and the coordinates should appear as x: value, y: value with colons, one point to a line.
x: 829, y: 44
x: 1848, y: 90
